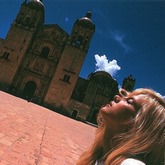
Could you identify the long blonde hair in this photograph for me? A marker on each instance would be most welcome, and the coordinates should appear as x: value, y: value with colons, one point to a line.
x: 145, y: 139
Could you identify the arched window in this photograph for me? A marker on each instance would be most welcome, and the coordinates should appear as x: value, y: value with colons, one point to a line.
x: 79, y: 40
x: 66, y: 78
x: 33, y: 22
x: 45, y: 52
x: 5, y: 55
x: 27, y: 21
x: 20, y: 18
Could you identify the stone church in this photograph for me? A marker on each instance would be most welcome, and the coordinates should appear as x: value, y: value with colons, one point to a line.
x: 41, y: 63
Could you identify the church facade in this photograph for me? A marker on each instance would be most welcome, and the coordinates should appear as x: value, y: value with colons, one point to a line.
x: 41, y: 63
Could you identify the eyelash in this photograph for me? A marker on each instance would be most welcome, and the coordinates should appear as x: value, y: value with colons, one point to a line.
x: 129, y: 102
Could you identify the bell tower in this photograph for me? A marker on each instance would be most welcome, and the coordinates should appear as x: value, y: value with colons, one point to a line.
x: 128, y: 83
x: 71, y: 61
x: 82, y: 32
x: 19, y: 38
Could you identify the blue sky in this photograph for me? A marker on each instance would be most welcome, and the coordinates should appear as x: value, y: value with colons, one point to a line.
x: 129, y: 36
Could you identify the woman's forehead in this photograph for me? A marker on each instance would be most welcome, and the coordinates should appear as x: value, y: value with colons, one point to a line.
x: 134, y: 94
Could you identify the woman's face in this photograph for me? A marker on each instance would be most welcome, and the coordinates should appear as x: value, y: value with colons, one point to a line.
x: 121, y: 109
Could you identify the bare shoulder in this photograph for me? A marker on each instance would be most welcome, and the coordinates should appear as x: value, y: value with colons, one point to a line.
x: 131, y: 161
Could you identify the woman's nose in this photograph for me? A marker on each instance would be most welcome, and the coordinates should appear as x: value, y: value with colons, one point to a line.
x: 117, y: 98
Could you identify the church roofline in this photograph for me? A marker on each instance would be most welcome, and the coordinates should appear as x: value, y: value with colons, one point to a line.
x: 100, y: 73
x: 46, y: 26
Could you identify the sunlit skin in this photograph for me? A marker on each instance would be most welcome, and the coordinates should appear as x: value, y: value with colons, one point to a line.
x: 116, y: 113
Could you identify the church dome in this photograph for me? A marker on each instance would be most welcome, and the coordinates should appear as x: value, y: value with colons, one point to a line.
x: 86, y: 21
x: 100, y: 75
x: 36, y: 4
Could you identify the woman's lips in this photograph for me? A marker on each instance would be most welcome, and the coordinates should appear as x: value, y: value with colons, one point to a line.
x: 109, y: 105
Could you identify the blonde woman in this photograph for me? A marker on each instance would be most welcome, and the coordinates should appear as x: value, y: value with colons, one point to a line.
x: 131, y: 131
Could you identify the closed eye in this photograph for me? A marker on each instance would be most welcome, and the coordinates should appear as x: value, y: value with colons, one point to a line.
x: 130, y: 101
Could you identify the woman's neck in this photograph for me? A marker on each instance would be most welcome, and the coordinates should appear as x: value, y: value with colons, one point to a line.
x: 108, y: 135
x: 107, y: 139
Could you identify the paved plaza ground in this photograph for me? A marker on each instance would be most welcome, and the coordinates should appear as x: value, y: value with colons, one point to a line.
x: 33, y: 135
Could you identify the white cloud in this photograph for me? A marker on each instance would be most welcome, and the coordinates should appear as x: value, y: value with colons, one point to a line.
x: 102, y: 64
x: 160, y: 95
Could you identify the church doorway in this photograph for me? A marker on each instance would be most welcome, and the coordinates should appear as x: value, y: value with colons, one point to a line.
x: 74, y: 114
x: 29, y: 90
x: 93, y: 116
